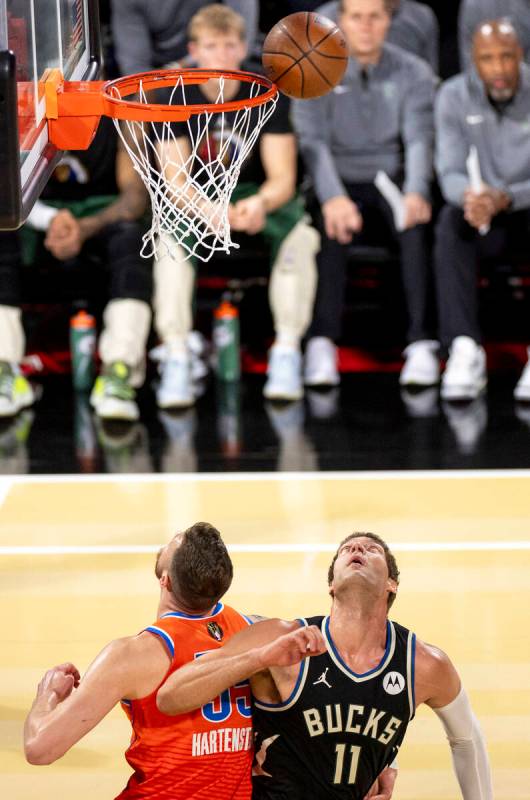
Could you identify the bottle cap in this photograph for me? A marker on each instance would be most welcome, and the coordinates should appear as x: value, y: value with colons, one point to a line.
x: 83, y: 320
x: 226, y: 309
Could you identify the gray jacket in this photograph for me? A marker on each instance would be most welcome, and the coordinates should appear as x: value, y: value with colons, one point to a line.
x: 149, y: 34
x: 414, y: 28
x: 473, y: 12
x: 356, y: 130
x: 463, y: 117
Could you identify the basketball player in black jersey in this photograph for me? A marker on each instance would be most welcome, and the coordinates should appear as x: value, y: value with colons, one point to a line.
x: 327, y: 725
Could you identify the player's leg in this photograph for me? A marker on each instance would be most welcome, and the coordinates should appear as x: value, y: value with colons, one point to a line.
x: 15, y: 391
x: 126, y: 323
x: 174, y: 281
x: 455, y: 270
x: 421, y: 367
x: 321, y: 360
x: 291, y: 295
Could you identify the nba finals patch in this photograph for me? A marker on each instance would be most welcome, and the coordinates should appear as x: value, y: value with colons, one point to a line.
x: 215, y: 631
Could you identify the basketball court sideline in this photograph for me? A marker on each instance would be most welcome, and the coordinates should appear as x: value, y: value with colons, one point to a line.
x: 77, y: 556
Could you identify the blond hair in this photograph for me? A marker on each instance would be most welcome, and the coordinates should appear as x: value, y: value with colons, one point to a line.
x: 218, y: 18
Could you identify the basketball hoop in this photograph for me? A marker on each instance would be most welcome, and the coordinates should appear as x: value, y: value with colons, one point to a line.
x: 189, y: 188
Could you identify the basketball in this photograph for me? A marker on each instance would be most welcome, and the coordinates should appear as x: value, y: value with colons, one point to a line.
x: 305, y: 55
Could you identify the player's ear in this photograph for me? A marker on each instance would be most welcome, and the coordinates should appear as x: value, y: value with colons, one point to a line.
x: 192, y: 50
x: 392, y: 586
x: 165, y: 581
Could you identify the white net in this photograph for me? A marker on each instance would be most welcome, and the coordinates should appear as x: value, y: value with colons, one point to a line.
x: 191, y: 168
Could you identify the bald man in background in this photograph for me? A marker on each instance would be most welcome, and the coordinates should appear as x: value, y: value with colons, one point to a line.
x: 473, y: 12
x: 488, y: 107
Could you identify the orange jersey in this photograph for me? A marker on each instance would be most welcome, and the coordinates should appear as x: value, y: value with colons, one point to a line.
x: 206, y: 753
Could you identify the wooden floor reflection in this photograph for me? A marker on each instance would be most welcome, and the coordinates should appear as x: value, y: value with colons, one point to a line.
x: 76, y: 560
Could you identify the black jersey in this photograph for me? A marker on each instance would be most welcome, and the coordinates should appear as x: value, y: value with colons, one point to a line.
x: 224, y: 136
x: 338, y: 730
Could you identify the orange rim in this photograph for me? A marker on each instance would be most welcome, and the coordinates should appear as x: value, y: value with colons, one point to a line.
x: 119, y: 108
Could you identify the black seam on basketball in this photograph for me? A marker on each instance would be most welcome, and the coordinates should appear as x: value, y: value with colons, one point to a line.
x: 320, y: 73
x: 307, y: 23
x: 328, y: 34
x: 302, y: 90
x: 282, y: 53
x: 295, y: 63
x: 326, y: 55
x: 286, y: 32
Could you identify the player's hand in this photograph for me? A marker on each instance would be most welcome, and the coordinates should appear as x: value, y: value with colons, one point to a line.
x: 58, y: 682
x: 64, y: 237
x: 291, y: 648
x: 417, y: 210
x: 248, y: 215
x: 384, y: 785
x: 341, y: 219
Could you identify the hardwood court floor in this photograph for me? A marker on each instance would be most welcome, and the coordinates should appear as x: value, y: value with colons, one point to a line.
x: 76, y: 562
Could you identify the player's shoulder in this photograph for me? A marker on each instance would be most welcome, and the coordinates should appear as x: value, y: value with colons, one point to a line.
x: 454, y: 93
x: 431, y: 661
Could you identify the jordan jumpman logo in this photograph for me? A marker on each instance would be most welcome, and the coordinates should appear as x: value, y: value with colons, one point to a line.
x: 322, y: 679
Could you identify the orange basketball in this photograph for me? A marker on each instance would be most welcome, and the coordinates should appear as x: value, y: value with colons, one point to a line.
x: 305, y: 55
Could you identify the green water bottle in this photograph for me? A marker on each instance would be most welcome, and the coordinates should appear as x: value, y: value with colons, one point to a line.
x: 226, y: 341
x: 82, y: 350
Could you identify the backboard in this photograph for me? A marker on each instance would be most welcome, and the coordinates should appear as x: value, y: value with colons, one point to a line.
x: 35, y: 36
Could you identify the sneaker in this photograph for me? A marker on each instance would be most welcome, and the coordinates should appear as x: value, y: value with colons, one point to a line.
x: 15, y: 390
x: 321, y: 363
x: 176, y: 384
x: 198, y: 353
x: 522, y: 390
x: 422, y: 366
x: 465, y: 374
x: 284, y: 371
x: 113, y: 397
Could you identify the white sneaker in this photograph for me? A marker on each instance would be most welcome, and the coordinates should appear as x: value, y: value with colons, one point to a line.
x: 422, y: 366
x: 522, y: 390
x: 465, y: 374
x: 284, y: 370
x: 321, y: 363
x: 176, y: 384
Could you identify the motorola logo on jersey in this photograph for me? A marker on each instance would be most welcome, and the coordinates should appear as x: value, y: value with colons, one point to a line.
x: 393, y: 683
x: 215, y: 631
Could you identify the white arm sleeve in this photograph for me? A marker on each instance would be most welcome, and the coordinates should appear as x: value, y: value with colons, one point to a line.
x: 41, y: 215
x: 468, y: 748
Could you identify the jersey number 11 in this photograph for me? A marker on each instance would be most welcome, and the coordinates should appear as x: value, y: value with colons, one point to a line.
x: 340, y: 750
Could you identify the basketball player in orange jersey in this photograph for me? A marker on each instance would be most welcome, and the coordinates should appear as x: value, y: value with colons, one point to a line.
x: 209, y: 751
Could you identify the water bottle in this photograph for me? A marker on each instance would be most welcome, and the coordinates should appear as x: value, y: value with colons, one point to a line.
x: 226, y: 341
x: 82, y: 350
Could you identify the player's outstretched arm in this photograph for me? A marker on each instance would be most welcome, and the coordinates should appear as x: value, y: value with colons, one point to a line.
x: 66, y: 707
x: 273, y: 643
x: 439, y: 686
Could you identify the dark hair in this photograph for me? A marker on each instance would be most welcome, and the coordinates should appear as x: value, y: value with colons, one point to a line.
x: 201, y: 570
x: 391, y: 6
x: 393, y: 571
